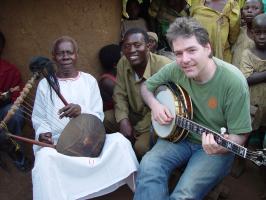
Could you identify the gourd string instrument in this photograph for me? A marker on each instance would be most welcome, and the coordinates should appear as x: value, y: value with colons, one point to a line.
x: 83, y: 135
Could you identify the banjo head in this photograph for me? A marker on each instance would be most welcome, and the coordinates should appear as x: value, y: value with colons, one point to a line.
x: 165, y: 96
x: 179, y: 103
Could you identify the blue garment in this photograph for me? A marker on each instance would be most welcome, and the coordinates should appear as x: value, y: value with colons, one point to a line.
x: 16, y: 123
x: 201, y: 174
x: 15, y: 126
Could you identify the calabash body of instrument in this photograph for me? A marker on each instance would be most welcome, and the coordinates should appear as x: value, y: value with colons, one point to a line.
x: 180, y: 105
x: 84, y: 135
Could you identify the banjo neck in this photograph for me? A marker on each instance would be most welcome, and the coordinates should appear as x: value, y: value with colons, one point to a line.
x: 194, y: 127
x: 258, y: 156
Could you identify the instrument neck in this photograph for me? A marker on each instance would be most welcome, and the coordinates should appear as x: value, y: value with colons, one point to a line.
x: 199, y: 129
x: 31, y: 141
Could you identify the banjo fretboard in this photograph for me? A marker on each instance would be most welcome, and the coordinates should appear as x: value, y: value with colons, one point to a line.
x: 198, y: 129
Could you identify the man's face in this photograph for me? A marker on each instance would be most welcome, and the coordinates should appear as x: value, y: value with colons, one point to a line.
x: 65, y: 55
x: 251, y: 9
x: 191, y: 56
x: 136, y: 50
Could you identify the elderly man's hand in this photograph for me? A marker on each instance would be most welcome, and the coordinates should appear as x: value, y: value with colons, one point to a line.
x: 71, y: 111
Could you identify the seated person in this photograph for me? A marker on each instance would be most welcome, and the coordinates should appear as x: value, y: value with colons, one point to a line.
x: 207, y: 80
x: 10, y: 87
x: 134, y: 20
x: 253, y: 66
x: 131, y: 116
x: 58, y: 176
x: 109, y: 56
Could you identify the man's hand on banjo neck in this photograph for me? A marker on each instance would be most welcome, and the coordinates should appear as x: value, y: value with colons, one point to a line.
x: 211, y: 147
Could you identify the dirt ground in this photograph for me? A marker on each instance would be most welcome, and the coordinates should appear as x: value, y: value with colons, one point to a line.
x: 16, y: 185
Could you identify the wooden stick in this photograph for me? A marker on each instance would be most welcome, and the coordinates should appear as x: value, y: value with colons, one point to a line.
x: 31, y: 141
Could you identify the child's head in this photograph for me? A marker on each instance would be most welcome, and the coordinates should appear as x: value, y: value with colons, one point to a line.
x: 133, y: 9
x: 251, y: 9
x: 153, y: 41
x: 259, y: 31
x: 109, y: 56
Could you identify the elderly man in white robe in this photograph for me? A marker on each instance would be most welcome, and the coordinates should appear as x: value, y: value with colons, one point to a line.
x: 59, y: 176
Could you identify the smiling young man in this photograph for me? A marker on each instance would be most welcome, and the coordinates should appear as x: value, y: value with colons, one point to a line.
x: 220, y: 98
x: 134, y: 67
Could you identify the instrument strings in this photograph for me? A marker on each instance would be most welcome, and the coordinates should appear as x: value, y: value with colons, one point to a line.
x: 26, y: 102
x: 27, y: 108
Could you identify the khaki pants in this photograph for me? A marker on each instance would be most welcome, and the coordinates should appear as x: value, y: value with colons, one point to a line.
x: 142, y: 144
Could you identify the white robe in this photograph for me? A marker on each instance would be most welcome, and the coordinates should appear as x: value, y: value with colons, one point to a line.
x: 82, y: 90
x: 57, y: 176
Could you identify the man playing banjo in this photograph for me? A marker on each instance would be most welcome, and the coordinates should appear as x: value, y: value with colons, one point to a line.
x: 220, y: 98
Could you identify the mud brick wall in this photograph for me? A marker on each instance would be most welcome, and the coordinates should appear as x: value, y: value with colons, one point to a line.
x: 30, y: 27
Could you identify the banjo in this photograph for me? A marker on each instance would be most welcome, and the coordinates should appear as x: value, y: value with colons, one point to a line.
x: 176, y: 99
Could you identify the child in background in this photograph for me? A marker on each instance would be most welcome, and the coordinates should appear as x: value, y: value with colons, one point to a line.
x: 253, y: 66
x: 109, y: 56
x: 244, y: 41
x: 134, y: 21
